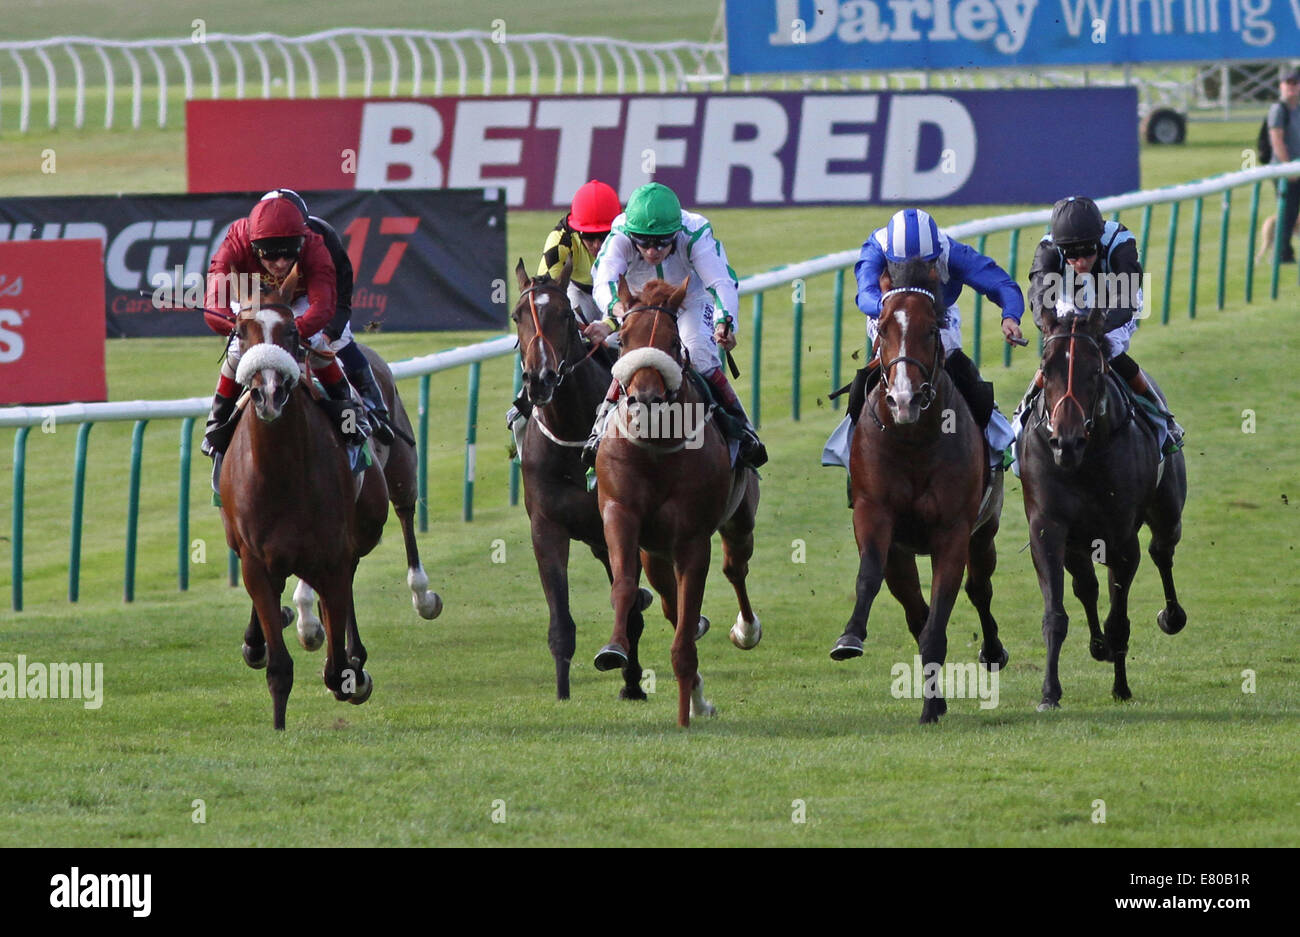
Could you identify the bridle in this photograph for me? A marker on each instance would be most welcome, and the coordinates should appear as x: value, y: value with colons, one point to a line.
x: 563, y: 366
x: 1089, y: 417
x: 291, y: 337
x: 927, y: 389
x: 657, y: 310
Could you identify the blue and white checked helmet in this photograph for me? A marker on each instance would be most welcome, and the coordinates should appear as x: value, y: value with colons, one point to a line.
x: 912, y: 233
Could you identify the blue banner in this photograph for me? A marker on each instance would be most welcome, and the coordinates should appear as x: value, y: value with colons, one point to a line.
x: 857, y: 35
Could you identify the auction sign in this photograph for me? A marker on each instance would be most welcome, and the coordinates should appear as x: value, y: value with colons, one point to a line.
x: 422, y: 260
x: 736, y: 150
x: 923, y: 35
x: 51, y: 322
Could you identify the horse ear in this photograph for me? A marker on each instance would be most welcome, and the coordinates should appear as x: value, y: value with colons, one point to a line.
x: 566, y: 273
x: 1049, y: 318
x: 521, y: 274
x: 624, y: 292
x: 679, y: 295
x: 886, y: 281
x: 286, y: 290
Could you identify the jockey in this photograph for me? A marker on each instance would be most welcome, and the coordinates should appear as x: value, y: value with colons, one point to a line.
x: 656, y: 239
x: 268, y: 245
x: 1070, y: 271
x: 910, y: 234
x: 355, y: 364
x: 577, y: 237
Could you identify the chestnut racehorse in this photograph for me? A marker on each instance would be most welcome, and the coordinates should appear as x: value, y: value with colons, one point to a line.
x: 292, y: 506
x: 564, y: 383
x: 1091, y: 477
x: 920, y: 484
x: 664, y: 493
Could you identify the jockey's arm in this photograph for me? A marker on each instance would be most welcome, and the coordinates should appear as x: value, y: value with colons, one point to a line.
x: 709, y: 263
x: 613, y: 261
x: 867, y: 271
x: 1124, y: 262
x: 342, y: 274
x: 318, y: 269
x: 1046, y: 269
x: 217, y: 295
x: 554, y: 254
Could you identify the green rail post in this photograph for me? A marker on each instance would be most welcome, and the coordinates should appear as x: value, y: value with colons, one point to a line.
x: 1225, y: 211
x: 20, y: 478
x: 796, y: 365
x: 183, y: 509
x: 133, y: 509
x: 1280, y: 237
x: 979, y: 306
x: 837, y: 337
x: 1146, y: 230
x: 1196, y: 257
x: 1250, y: 242
x: 1011, y: 269
x: 78, y: 502
x: 1169, y: 263
x: 756, y: 368
x: 471, y: 440
x: 422, y: 456
x: 232, y: 568
x: 1114, y: 216
x: 514, y: 463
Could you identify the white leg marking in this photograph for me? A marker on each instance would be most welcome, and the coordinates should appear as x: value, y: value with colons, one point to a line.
x: 699, y: 705
x: 746, y: 634
x: 427, y: 603
x: 311, y: 633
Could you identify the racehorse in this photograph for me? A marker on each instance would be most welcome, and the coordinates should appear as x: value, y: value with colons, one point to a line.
x: 665, y: 495
x: 564, y: 385
x: 1090, y: 473
x: 921, y: 484
x: 291, y: 505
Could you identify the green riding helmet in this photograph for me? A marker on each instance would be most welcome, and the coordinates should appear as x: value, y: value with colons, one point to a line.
x: 653, y: 211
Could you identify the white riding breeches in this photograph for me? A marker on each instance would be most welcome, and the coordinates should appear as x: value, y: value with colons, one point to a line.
x: 1118, y: 339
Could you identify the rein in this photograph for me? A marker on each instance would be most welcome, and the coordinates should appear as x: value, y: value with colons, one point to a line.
x: 928, y: 390
x: 1089, y: 419
x: 564, y: 366
x: 654, y: 325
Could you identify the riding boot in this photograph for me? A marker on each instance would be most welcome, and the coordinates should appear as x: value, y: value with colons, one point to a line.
x: 863, y: 382
x: 978, y: 392
x: 355, y: 431
x: 220, y: 428
x: 752, y: 450
x: 517, y: 418
x: 363, y: 379
x: 592, y: 444
x: 1142, y: 387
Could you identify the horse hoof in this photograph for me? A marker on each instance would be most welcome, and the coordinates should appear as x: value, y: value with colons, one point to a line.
x: 363, y: 691
x: 311, y: 640
x: 847, y: 647
x: 1100, y: 650
x: 746, y: 635
x: 428, y: 605
x: 611, y: 657
x: 1048, y: 705
x: 995, y: 665
x: 255, y: 659
x: 1122, y: 694
x: 632, y: 692
x: 702, y: 628
x: 643, y: 599
x: 702, y: 707
x: 1171, y: 619
x: 287, y: 616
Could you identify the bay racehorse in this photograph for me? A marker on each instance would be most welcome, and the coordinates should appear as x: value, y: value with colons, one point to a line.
x: 1091, y: 476
x: 665, y: 483
x: 921, y: 484
x: 564, y: 383
x: 292, y: 506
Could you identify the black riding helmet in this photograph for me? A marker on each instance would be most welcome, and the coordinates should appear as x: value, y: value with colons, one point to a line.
x: 1076, y: 222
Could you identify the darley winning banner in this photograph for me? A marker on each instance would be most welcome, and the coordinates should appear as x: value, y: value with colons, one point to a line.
x: 835, y: 35
x: 421, y: 260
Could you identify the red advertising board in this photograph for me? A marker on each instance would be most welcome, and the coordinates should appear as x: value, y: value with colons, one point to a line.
x: 51, y: 322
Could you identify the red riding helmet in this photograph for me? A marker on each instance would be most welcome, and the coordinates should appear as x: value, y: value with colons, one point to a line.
x: 276, y: 225
x: 595, y: 206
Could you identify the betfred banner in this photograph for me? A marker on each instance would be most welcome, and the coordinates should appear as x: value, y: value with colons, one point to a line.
x: 422, y: 260
x: 51, y: 322
x: 736, y: 150
x: 766, y: 36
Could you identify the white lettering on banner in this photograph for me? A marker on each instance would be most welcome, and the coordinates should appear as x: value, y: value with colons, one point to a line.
x: 645, y: 117
x: 720, y: 150
x: 378, y: 152
x: 900, y: 180
x: 197, y: 233
x: 576, y: 120
x: 11, y: 342
x: 472, y: 148
x: 819, y: 144
x: 854, y: 21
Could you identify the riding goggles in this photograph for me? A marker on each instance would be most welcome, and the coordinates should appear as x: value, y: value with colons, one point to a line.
x: 272, y: 253
x: 651, y: 242
x: 1079, y: 251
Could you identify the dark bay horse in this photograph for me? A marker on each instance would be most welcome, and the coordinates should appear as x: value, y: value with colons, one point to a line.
x: 291, y: 505
x: 564, y: 383
x: 1090, y: 473
x: 921, y: 484
x: 665, y: 484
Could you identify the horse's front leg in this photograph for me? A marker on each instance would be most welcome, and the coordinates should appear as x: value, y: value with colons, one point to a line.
x: 265, y: 588
x: 551, y: 549
x: 1047, y: 546
x: 343, y: 676
x: 1083, y: 575
x: 621, y: 528
x: 691, y: 564
x: 949, y: 564
x: 1123, y: 567
x: 632, y: 672
x: 873, y: 528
